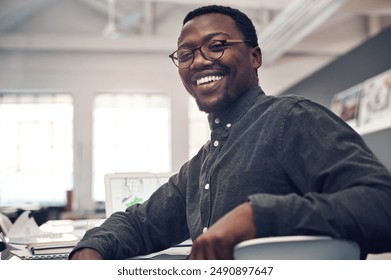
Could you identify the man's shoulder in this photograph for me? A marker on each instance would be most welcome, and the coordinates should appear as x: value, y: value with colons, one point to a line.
x: 290, y: 98
x: 281, y: 102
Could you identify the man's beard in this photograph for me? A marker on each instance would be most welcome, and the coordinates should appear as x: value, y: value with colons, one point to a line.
x: 217, y: 107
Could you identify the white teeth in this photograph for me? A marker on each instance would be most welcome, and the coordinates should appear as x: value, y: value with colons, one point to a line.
x: 208, y: 79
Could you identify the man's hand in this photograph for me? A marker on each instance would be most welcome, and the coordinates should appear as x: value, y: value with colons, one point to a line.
x: 86, y: 254
x: 220, y: 239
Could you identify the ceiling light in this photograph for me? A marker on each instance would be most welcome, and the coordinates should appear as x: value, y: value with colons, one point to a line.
x: 111, y: 29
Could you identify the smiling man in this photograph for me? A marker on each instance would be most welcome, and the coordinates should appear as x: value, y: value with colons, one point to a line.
x: 274, y: 166
x: 226, y: 64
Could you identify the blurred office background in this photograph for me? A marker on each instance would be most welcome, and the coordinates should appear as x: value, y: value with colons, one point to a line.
x: 87, y: 88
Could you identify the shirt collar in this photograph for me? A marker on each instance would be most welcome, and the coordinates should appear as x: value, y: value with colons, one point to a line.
x: 237, y: 110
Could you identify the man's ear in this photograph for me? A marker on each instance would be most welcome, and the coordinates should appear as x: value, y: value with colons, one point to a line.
x: 256, y: 57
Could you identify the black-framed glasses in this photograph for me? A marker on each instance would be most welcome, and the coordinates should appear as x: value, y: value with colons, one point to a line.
x: 211, y: 50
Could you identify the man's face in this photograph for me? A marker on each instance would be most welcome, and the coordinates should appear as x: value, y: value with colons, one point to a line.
x: 230, y: 76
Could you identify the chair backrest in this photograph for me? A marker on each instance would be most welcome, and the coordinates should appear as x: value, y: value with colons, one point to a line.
x: 5, y: 224
x: 297, y: 248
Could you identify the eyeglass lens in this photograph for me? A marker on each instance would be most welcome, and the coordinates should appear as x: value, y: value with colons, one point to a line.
x: 212, y: 50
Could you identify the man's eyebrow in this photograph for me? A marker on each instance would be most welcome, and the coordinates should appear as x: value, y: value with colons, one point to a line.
x: 210, y: 36
x: 207, y: 38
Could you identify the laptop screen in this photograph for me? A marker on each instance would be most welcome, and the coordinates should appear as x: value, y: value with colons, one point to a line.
x: 126, y: 189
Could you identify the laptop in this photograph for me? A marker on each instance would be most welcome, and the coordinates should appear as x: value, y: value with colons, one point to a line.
x: 126, y: 189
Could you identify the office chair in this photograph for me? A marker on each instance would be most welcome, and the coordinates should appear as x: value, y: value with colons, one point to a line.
x: 297, y: 248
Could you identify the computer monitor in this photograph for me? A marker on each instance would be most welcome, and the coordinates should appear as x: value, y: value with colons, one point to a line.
x: 126, y: 189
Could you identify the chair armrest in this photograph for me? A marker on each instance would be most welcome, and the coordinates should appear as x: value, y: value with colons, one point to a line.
x: 298, y: 247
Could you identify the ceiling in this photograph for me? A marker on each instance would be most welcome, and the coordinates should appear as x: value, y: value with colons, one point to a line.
x: 311, y: 36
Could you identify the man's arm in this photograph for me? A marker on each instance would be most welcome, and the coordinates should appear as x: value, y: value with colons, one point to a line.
x: 141, y: 229
x: 86, y: 254
x: 341, y: 188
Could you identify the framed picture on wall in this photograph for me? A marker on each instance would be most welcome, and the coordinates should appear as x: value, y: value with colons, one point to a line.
x: 375, y: 105
x: 346, y: 104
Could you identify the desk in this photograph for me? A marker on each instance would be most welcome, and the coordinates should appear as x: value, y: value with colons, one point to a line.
x: 79, y: 227
x: 53, y: 230
x: 174, y: 253
x: 179, y: 252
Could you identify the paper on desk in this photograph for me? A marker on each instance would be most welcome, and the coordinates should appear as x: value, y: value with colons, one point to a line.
x: 26, y: 230
x: 24, y: 226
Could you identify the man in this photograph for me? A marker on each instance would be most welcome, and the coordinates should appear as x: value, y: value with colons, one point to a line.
x: 274, y: 165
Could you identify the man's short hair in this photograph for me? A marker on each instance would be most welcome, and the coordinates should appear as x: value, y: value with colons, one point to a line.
x: 242, y: 21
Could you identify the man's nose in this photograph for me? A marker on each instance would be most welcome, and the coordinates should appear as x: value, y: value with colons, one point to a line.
x: 199, y: 59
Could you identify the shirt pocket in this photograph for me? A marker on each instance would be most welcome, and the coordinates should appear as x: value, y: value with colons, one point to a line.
x: 234, y: 189
x: 243, y: 183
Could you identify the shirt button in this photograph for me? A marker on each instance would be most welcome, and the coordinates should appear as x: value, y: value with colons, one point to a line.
x: 204, y: 229
x: 207, y: 187
x: 217, y: 120
x: 216, y: 143
x: 228, y: 125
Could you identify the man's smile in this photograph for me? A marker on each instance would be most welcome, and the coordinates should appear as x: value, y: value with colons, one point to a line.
x: 208, y: 79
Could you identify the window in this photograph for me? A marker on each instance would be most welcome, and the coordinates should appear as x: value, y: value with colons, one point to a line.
x: 36, y: 162
x: 199, y: 131
x: 131, y: 133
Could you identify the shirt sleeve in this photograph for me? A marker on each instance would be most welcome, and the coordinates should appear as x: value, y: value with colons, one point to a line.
x: 343, y: 189
x: 157, y: 224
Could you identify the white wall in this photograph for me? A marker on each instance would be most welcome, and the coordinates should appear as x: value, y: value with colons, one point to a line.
x: 84, y: 73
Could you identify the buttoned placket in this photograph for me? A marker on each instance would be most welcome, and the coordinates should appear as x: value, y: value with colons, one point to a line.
x: 216, y: 140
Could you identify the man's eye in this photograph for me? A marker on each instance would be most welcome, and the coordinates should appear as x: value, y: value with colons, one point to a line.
x: 216, y: 46
x: 185, y: 55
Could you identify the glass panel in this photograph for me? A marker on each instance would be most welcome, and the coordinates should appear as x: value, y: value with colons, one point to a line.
x: 199, y: 131
x: 131, y: 133
x: 36, y: 163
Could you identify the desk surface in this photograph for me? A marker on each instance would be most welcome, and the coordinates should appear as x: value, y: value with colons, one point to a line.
x: 79, y: 227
